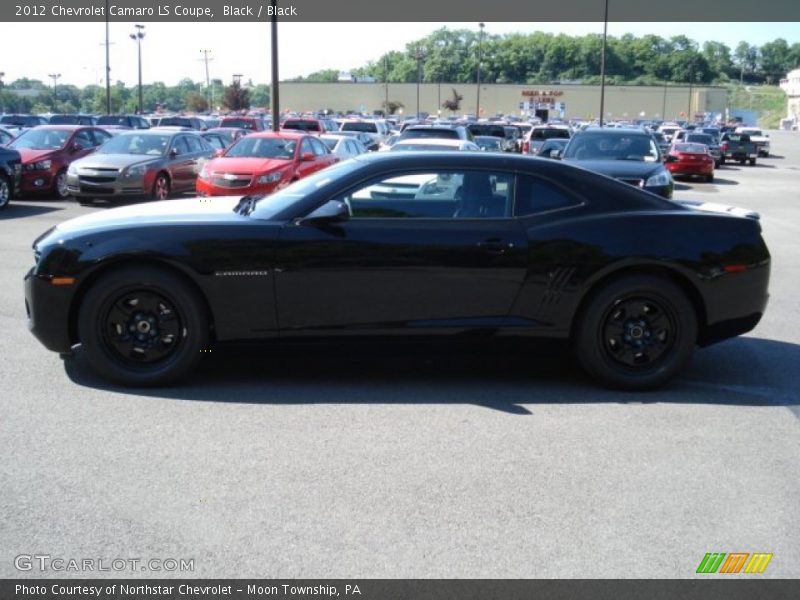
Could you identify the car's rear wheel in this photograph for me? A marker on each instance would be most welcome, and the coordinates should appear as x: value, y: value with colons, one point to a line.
x: 5, y: 191
x: 142, y: 326
x: 161, y: 187
x: 60, y: 185
x: 752, y: 161
x: 710, y: 177
x: 636, y: 332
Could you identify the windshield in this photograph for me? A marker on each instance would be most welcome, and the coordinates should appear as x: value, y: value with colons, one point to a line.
x: 270, y: 206
x: 68, y: 120
x: 18, y: 120
x: 302, y: 125
x: 41, y: 139
x: 546, y: 134
x: 365, y: 127
x: 136, y: 143
x: 612, y: 147
x: 259, y: 147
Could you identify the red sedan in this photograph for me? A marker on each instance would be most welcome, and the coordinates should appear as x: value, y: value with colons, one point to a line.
x: 690, y: 159
x: 47, y: 151
x: 262, y: 162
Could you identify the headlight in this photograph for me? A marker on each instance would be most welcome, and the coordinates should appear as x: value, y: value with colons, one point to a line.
x: 269, y: 178
x: 41, y: 165
x: 135, y: 171
x: 72, y: 169
x: 660, y: 178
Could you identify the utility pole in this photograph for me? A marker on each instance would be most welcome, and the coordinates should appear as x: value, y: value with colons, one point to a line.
x: 386, y: 85
x: 108, y: 67
x: 209, y: 91
x: 419, y: 55
x: 55, y: 77
x: 480, y: 58
x: 274, y: 97
x: 603, y: 67
x: 137, y: 37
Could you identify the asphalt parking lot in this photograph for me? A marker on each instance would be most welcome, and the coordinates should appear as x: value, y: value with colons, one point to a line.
x: 391, y: 465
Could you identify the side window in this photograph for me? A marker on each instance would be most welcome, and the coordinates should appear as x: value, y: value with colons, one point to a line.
x: 433, y: 195
x: 195, y: 144
x: 181, y: 145
x: 306, y: 147
x: 536, y: 195
x: 100, y: 137
x: 319, y: 148
x: 143, y: 124
x: 84, y: 138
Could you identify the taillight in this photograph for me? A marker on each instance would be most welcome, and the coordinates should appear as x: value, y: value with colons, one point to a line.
x: 724, y: 146
x: 525, y: 147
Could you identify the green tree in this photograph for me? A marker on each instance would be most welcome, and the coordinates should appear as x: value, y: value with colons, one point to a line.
x: 236, y: 97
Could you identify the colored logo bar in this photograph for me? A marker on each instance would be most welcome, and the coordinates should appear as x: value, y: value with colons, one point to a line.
x: 734, y: 562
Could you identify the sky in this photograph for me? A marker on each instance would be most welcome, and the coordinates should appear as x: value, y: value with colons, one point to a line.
x: 172, y: 51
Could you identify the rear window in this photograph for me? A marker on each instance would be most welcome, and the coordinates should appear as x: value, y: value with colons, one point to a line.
x: 700, y: 138
x: 360, y: 126
x: 488, y: 130
x: 240, y: 123
x: 691, y: 148
x: 301, y: 125
x: 546, y: 134
x: 175, y: 122
x: 447, y: 134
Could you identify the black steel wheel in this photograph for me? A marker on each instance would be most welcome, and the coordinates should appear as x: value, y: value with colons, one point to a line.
x: 5, y: 191
x: 636, y: 332
x: 161, y: 187
x: 142, y: 326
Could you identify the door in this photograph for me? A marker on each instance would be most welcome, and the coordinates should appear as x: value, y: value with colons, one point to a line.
x: 431, y: 252
x: 183, y: 165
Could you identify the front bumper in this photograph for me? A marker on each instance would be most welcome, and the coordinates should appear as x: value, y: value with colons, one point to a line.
x: 36, y: 182
x: 134, y: 187
x: 48, y: 309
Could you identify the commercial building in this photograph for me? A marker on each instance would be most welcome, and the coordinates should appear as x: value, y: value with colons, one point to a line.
x: 567, y: 100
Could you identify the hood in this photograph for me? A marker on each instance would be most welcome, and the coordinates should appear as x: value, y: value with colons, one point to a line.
x: 619, y: 169
x: 30, y: 155
x: 189, y: 210
x: 225, y: 164
x: 114, y: 161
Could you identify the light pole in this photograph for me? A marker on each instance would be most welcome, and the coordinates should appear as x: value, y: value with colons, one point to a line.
x: 419, y: 55
x: 55, y: 77
x: 2, y: 74
x: 209, y: 90
x: 274, y: 97
x: 480, y: 57
x: 603, y: 66
x: 137, y: 37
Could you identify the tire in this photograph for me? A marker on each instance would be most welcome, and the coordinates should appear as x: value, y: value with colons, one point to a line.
x: 142, y: 326
x: 722, y: 161
x: 161, y: 187
x: 742, y: 161
x: 5, y: 191
x: 710, y: 178
x: 60, y: 190
x: 752, y: 162
x: 86, y: 201
x: 613, y: 336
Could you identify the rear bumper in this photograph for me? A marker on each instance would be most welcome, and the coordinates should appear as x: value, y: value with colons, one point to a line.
x: 47, y: 307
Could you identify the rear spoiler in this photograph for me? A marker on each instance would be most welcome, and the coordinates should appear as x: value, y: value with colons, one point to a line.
x: 715, y: 207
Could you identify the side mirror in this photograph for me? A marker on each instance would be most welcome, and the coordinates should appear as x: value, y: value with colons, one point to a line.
x: 76, y: 147
x: 173, y: 153
x: 556, y: 154
x: 308, y: 156
x: 333, y: 211
x: 219, y: 152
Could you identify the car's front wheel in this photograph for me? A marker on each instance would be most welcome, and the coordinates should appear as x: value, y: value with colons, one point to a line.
x: 5, y: 191
x: 636, y: 332
x: 60, y: 185
x: 161, y: 187
x: 142, y: 326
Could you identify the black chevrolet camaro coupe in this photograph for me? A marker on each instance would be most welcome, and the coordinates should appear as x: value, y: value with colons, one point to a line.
x: 424, y: 246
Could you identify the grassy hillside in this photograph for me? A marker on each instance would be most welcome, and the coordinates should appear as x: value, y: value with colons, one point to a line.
x: 768, y: 100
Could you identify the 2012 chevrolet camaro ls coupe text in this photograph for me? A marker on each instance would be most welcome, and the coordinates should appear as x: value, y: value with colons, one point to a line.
x: 429, y: 245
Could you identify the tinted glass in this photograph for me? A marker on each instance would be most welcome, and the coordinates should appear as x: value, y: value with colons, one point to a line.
x: 546, y: 134
x: 597, y: 146
x: 41, y: 139
x: 536, y: 195
x: 448, y: 134
x: 301, y: 125
x: 359, y: 126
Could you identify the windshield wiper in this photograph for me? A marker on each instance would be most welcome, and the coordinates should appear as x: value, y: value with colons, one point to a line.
x: 247, y: 204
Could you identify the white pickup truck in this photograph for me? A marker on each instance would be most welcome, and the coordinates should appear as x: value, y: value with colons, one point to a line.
x: 758, y: 137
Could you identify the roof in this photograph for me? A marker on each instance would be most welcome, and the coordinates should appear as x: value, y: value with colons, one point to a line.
x: 446, y: 143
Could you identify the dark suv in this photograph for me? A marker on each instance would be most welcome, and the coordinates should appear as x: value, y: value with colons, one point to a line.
x: 10, y: 171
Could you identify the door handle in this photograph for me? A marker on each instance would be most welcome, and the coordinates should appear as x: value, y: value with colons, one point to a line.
x: 495, y: 246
